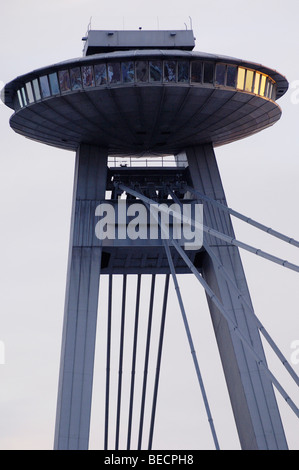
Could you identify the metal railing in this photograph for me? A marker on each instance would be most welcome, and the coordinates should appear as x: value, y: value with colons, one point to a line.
x: 130, y: 161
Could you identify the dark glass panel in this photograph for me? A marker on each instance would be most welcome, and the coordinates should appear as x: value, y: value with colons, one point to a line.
x: 196, y: 71
x: 155, y: 71
x: 127, y: 72
x: 24, y: 97
x: 270, y: 90
x: 87, y: 76
x: 54, y: 84
x: 29, y: 92
x: 231, y: 76
x: 64, y: 81
x: 220, y: 74
x: 142, y: 71
x: 100, y: 72
x: 36, y: 89
x: 76, y: 79
x: 20, y: 98
x: 183, y: 72
x: 169, y: 71
x: 208, y: 74
x: 44, y: 85
x: 114, y: 72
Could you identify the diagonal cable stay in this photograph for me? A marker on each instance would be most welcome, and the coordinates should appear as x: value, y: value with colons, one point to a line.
x: 261, y: 363
x: 244, y: 302
x: 215, y: 233
x: 246, y: 219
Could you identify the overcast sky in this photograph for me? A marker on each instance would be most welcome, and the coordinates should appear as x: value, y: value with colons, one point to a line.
x: 261, y: 179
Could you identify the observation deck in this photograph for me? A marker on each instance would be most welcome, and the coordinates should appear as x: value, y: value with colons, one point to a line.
x: 144, y: 93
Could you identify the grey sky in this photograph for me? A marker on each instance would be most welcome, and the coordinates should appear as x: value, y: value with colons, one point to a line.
x: 261, y: 179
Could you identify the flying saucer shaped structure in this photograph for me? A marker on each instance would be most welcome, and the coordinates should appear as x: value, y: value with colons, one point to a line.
x: 145, y: 100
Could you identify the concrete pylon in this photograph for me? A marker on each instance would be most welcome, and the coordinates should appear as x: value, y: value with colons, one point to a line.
x: 81, y: 303
x: 251, y: 393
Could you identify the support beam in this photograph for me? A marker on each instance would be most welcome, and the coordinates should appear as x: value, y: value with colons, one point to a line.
x: 81, y: 303
x: 251, y: 392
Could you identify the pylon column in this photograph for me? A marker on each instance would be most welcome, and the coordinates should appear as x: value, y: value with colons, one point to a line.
x: 251, y: 393
x: 81, y: 303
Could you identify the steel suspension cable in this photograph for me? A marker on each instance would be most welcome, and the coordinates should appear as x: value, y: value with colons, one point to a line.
x: 246, y: 219
x: 236, y: 329
x: 158, y: 366
x: 134, y: 361
x: 251, y: 311
x: 191, y: 344
x: 190, y: 340
x: 121, y: 352
x: 146, y: 361
x: 220, y: 307
x: 108, y: 362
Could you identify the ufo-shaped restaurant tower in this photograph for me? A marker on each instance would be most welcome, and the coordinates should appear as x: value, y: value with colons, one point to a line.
x: 149, y: 94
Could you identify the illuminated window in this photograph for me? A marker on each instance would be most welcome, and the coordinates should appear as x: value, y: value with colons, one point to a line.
x: 241, y: 78
x: 100, y: 73
x: 155, y: 71
x: 29, y: 92
x: 20, y: 98
x: 44, y: 86
x: 36, y: 89
x: 169, y: 71
x: 196, y: 71
x: 141, y: 71
x: 87, y: 76
x: 220, y: 74
x: 256, y: 83
x: 262, y: 85
x: 183, y: 71
x: 24, y: 97
x: 114, y: 72
x: 54, y: 85
x: 249, y: 80
x: 127, y: 72
x: 273, y: 97
x: 208, y: 72
x: 76, y: 79
x: 64, y: 81
x: 231, y: 76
